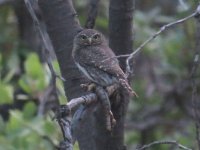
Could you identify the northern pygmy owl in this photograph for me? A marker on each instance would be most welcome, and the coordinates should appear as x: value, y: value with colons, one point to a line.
x: 97, y: 61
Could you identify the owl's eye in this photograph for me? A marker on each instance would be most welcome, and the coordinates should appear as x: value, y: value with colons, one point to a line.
x: 83, y: 37
x: 96, y: 36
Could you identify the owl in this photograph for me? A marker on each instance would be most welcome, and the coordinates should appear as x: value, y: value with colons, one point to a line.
x: 97, y: 61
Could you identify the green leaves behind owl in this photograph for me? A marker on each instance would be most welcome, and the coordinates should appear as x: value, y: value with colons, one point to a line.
x: 35, y: 79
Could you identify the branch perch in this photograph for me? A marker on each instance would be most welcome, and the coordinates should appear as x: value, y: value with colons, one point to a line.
x: 85, y: 100
x: 163, y: 142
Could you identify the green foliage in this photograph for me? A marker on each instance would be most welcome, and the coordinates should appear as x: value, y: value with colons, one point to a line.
x: 6, y: 95
x: 35, y: 79
x: 170, y: 53
x: 167, y: 58
x: 29, y: 110
x: 28, y: 132
x: 59, y: 84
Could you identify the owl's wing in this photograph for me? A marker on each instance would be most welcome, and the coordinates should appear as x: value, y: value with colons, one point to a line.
x: 103, y: 58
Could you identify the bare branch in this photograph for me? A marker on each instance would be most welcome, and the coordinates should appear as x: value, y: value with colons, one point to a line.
x: 65, y: 125
x: 64, y: 122
x: 163, y: 142
x: 86, y: 99
x: 92, y: 14
x: 42, y: 34
x: 162, y: 29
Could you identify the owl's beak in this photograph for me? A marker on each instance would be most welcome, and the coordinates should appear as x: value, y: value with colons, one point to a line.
x: 90, y: 40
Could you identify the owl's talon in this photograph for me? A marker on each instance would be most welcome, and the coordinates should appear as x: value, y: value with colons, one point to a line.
x: 91, y: 87
x: 88, y: 86
x: 135, y: 94
x: 110, y: 121
x: 84, y: 86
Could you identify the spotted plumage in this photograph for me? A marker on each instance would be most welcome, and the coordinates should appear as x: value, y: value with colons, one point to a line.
x: 91, y: 54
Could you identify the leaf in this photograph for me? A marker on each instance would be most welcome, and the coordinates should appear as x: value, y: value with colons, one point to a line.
x: 33, y: 67
x: 15, y: 122
x: 56, y: 67
x: 6, y: 94
x: 9, y: 76
x: 24, y: 84
x: 29, y: 110
x: 34, y: 80
x: 76, y: 146
x: 49, y: 127
x: 32, y: 86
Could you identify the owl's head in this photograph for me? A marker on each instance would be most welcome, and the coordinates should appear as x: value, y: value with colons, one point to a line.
x: 88, y: 37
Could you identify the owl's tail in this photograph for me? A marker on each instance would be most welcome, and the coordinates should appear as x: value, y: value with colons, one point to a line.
x: 127, y: 87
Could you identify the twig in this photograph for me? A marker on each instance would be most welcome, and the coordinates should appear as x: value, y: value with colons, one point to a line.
x: 65, y: 112
x: 44, y: 40
x: 65, y: 125
x: 163, y: 142
x: 45, y: 96
x: 85, y: 100
x: 92, y: 14
x: 162, y: 29
x: 64, y: 122
x: 46, y: 50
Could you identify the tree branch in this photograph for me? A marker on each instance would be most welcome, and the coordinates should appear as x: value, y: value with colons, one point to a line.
x: 161, y: 143
x: 92, y: 14
x: 129, y: 69
x: 64, y: 122
x: 43, y: 37
x: 162, y: 29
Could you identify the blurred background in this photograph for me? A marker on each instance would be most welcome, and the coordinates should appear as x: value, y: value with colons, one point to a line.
x: 163, y: 110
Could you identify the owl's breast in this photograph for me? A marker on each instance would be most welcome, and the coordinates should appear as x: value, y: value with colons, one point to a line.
x: 84, y: 71
x: 97, y: 76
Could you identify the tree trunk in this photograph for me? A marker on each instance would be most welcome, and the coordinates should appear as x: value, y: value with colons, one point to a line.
x: 27, y: 32
x: 62, y: 26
